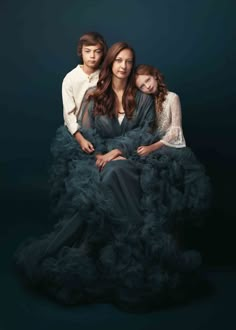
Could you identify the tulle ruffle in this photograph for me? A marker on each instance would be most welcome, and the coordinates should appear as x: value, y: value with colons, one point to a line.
x: 93, y: 255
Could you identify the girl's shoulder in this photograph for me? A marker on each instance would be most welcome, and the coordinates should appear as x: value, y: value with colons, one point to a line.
x: 171, y: 95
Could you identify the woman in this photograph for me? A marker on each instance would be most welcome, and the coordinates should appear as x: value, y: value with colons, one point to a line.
x: 168, y: 143
x: 109, y: 246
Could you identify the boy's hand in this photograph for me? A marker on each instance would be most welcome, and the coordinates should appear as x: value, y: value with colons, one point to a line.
x: 85, y: 145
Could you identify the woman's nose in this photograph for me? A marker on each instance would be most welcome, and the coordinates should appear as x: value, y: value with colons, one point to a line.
x: 123, y: 64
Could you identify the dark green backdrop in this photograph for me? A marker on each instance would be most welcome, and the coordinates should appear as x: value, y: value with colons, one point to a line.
x: 191, y: 42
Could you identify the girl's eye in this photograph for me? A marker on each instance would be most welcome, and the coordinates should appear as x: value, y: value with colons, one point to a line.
x: 118, y: 60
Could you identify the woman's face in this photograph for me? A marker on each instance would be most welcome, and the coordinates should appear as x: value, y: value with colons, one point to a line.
x: 146, y: 83
x: 123, y: 64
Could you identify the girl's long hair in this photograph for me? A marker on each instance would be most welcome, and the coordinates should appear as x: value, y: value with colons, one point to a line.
x: 161, y: 92
x: 104, y: 96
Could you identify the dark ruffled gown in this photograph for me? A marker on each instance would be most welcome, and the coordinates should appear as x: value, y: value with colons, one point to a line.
x: 115, y: 235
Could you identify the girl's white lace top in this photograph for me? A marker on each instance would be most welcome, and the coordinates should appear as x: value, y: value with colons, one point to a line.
x: 169, y: 122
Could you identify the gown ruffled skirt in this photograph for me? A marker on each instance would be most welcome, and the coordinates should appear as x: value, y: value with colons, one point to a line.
x: 115, y: 235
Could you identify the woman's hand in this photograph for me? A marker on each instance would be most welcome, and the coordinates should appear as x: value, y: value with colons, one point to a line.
x: 119, y: 158
x: 102, y: 160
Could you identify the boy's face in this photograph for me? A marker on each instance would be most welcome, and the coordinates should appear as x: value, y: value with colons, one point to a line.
x: 92, y: 56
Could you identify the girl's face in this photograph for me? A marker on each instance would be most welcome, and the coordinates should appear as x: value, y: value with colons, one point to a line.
x: 123, y: 64
x: 146, y: 83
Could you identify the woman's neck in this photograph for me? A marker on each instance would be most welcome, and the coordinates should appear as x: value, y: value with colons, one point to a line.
x: 118, y: 85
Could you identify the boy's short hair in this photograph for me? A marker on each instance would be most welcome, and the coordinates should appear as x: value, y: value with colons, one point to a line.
x: 91, y: 39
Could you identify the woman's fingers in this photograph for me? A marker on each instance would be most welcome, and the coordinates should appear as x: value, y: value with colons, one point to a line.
x: 118, y: 158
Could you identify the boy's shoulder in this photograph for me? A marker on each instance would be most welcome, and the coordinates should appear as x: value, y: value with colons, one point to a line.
x: 74, y: 73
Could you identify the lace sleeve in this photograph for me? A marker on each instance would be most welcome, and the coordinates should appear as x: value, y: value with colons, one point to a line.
x: 174, y: 136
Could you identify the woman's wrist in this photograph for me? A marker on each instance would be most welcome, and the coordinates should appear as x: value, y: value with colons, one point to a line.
x: 117, y: 152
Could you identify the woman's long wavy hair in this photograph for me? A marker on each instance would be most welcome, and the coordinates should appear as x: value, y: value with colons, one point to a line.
x: 161, y: 92
x: 104, y: 96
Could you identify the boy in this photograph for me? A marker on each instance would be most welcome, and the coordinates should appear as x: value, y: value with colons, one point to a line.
x: 91, y: 49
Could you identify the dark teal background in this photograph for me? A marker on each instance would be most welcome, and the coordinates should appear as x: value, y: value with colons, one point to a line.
x: 191, y: 42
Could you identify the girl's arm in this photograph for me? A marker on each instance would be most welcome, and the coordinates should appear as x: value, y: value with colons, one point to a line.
x: 174, y: 136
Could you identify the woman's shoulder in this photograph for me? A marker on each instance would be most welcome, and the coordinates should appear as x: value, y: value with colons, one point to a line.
x: 91, y: 90
x: 88, y: 95
x: 142, y: 97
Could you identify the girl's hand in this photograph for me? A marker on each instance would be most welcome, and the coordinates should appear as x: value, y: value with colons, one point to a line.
x: 144, y: 150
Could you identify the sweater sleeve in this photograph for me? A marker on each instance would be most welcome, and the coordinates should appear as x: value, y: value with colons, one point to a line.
x: 69, y: 106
